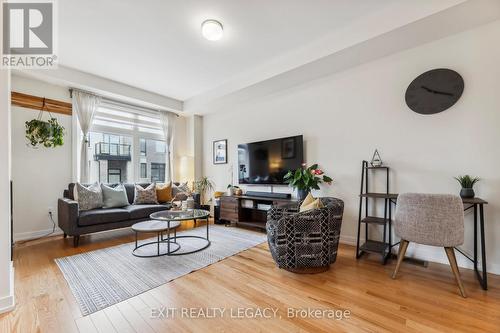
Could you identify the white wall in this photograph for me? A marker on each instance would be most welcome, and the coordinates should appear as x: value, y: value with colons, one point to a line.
x: 346, y: 116
x: 39, y: 175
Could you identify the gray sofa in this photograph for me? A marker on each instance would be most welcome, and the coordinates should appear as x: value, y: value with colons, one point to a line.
x: 75, y: 223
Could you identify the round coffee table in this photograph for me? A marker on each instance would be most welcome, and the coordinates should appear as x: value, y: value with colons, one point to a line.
x: 172, y: 217
x: 158, y: 227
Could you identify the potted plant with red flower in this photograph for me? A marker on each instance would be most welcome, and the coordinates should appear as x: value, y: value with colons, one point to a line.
x: 304, y: 179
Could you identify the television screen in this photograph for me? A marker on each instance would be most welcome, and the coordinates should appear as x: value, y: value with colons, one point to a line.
x: 267, y: 162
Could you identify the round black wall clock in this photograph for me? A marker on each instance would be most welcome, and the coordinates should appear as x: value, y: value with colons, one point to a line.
x: 434, y: 91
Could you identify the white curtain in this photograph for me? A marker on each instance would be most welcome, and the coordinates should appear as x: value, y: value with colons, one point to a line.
x: 85, y: 106
x: 168, y: 120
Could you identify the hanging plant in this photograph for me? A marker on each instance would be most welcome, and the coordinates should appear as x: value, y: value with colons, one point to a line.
x: 44, y: 133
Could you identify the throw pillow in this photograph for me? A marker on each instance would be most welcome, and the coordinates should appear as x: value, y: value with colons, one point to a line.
x: 164, y: 192
x: 180, y: 192
x: 89, y: 197
x: 144, y: 196
x: 310, y: 203
x: 114, y: 197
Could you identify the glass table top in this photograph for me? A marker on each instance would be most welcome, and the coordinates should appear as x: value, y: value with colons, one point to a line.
x: 169, y: 215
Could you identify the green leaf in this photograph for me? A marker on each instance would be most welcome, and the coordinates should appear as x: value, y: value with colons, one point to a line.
x: 327, y: 179
x: 313, y: 167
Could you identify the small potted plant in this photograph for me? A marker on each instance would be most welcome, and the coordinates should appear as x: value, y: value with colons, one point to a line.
x: 44, y: 133
x: 467, y: 182
x: 204, y: 186
x: 304, y: 179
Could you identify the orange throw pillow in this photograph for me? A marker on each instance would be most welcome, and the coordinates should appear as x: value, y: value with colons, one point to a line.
x: 164, y: 192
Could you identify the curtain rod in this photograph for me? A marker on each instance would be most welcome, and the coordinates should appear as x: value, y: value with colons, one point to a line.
x: 120, y: 102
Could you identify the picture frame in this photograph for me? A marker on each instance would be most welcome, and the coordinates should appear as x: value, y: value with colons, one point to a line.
x: 220, y: 151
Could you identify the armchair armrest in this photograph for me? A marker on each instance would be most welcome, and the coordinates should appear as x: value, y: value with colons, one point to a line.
x: 67, y: 212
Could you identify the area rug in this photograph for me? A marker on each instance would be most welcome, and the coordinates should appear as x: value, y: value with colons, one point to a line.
x: 104, y: 277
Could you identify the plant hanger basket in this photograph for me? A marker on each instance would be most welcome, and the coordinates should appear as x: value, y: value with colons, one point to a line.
x: 48, y: 134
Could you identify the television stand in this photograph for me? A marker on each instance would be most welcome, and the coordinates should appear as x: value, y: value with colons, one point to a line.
x: 250, y: 210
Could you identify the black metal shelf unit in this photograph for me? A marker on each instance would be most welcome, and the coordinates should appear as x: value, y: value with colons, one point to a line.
x: 365, y: 198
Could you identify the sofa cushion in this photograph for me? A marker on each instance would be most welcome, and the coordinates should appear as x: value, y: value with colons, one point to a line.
x: 164, y: 192
x: 104, y: 215
x: 143, y: 211
x: 114, y: 197
x: 89, y: 197
x: 145, y: 196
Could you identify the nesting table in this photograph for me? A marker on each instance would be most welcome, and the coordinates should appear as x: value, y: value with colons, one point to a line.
x: 163, y: 223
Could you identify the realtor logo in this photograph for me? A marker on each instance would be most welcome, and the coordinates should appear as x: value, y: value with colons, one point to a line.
x: 28, y: 35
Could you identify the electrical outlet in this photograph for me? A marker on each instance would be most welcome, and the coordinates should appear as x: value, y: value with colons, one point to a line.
x: 50, y: 210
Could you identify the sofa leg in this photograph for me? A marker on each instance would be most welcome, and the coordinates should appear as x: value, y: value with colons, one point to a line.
x: 65, y: 235
x: 76, y: 239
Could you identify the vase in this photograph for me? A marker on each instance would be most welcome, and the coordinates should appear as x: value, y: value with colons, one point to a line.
x: 190, y: 203
x: 302, y: 194
x: 467, y: 193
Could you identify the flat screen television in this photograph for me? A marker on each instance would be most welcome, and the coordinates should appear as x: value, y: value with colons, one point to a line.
x: 267, y: 162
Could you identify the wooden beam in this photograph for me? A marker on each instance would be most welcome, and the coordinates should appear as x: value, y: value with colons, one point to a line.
x: 36, y: 103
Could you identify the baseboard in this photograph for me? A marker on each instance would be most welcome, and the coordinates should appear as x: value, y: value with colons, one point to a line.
x: 429, y: 253
x: 22, y: 236
x: 8, y: 303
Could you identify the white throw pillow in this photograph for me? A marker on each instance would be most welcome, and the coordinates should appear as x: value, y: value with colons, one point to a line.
x: 114, y: 197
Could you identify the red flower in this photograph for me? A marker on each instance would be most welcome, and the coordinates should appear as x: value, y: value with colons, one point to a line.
x: 318, y: 172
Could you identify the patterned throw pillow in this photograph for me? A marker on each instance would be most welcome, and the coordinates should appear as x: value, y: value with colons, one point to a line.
x: 144, y: 196
x: 89, y: 197
x: 180, y: 192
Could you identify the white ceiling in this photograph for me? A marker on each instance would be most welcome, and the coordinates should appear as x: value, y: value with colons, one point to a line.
x: 156, y: 45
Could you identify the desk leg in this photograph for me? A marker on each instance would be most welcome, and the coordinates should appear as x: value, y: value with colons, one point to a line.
x: 475, y: 237
x: 484, y: 279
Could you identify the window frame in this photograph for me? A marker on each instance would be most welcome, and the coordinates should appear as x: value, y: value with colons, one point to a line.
x: 145, y: 165
x: 135, y: 134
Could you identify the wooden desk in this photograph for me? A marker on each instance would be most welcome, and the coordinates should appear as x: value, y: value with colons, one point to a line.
x: 477, y: 204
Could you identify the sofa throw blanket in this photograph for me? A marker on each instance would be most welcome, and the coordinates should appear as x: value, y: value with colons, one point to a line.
x: 114, y: 197
x: 144, y: 196
x: 89, y: 197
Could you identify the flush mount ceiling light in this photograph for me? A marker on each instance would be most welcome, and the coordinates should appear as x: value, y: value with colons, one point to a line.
x: 212, y: 29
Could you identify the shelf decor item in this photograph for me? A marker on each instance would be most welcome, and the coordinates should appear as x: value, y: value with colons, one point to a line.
x: 376, y: 159
x: 48, y: 134
x: 467, y: 182
x: 304, y: 179
x: 233, y: 190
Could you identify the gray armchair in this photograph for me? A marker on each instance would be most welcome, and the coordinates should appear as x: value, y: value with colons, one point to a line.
x: 305, y: 242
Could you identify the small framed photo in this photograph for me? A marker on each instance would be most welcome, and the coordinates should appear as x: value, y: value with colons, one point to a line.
x: 220, y: 152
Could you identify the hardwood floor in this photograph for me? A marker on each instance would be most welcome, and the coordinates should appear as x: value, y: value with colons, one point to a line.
x: 419, y: 300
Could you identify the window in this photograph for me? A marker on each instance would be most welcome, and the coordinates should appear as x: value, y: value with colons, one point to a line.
x: 110, y: 157
x: 125, y: 143
x: 142, y: 143
x: 157, y: 172
x: 155, y: 154
x: 114, y: 175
